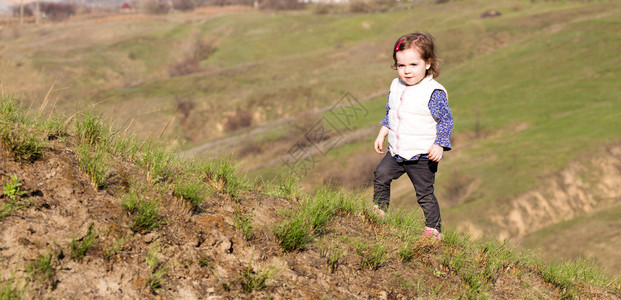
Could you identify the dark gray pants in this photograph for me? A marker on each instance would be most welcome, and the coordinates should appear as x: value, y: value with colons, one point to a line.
x: 422, y: 173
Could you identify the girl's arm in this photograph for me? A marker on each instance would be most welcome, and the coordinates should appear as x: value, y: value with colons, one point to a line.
x: 441, y: 112
x: 379, y: 141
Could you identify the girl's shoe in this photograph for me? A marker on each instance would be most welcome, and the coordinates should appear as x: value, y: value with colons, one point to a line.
x: 433, y: 233
x: 378, y: 211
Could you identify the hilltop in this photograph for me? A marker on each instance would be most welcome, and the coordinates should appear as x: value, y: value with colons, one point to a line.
x: 88, y: 212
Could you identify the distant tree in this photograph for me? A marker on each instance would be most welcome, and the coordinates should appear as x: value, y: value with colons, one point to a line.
x: 156, y: 7
x: 229, y: 2
x: 56, y: 11
x: 28, y: 11
x: 282, y: 4
x: 185, y: 5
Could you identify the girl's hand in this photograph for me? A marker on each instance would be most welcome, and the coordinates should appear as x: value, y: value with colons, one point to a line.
x: 379, y: 141
x: 379, y: 144
x: 435, y: 153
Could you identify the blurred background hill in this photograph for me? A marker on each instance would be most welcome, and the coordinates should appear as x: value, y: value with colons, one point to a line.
x: 533, y: 87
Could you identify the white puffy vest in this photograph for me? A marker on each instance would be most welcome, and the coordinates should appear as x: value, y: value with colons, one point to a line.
x: 412, y: 127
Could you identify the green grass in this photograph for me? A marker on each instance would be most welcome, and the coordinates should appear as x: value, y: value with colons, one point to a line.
x: 80, y: 246
x: 312, y: 215
x: 206, y: 262
x: 191, y: 189
x: 42, y: 269
x: 287, y: 187
x: 243, y: 222
x: 157, y: 267
x: 90, y: 128
x: 158, y: 160
x: 10, y: 289
x: 252, y: 280
x: 95, y: 163
x: 17, y: 135
x: 565, y: 275
x: 373, y: 256
x: 13, y: 188
x: 145, y: 212
x: 332, y: 253
x: 114, y: 248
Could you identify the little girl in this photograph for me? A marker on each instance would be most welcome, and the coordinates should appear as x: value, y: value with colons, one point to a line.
x: 418, y: 123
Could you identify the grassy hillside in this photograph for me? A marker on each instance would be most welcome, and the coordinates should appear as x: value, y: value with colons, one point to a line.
x: 86, y: 212
x: 533, y: 92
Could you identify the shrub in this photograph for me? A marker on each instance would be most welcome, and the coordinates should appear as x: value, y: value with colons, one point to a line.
x: 239, y: 120
x: 322, y: 8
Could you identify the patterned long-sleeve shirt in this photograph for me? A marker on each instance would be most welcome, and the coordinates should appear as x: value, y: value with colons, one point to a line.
x: 441, y: 112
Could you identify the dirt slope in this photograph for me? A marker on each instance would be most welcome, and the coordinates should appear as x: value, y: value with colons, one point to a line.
x: 201, y: 254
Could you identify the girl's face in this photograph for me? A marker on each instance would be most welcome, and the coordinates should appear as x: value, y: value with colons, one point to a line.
x: 411, y: 67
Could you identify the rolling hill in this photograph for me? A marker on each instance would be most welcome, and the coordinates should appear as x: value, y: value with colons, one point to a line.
x: 533, y: 92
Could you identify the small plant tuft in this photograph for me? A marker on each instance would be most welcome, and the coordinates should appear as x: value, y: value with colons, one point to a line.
x: 374, y: 256
x: 243, y: 222
x: 332, y: 253
x: 191, y: 190
x: 90, y: 128
x: 223, y: 174
x: 145, y: 212
x: 158, y: 161
x: 94, y: 161
x: 80, y: 247
x: 157, y: 267
x: 251, y: 280
x: 42, y: 269
x: 9, y: 289
x: 206, y: 262
x: 115, y: 248
x: 12, y: 189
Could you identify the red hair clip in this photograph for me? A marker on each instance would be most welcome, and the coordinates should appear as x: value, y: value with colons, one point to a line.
x: 398, y: 45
